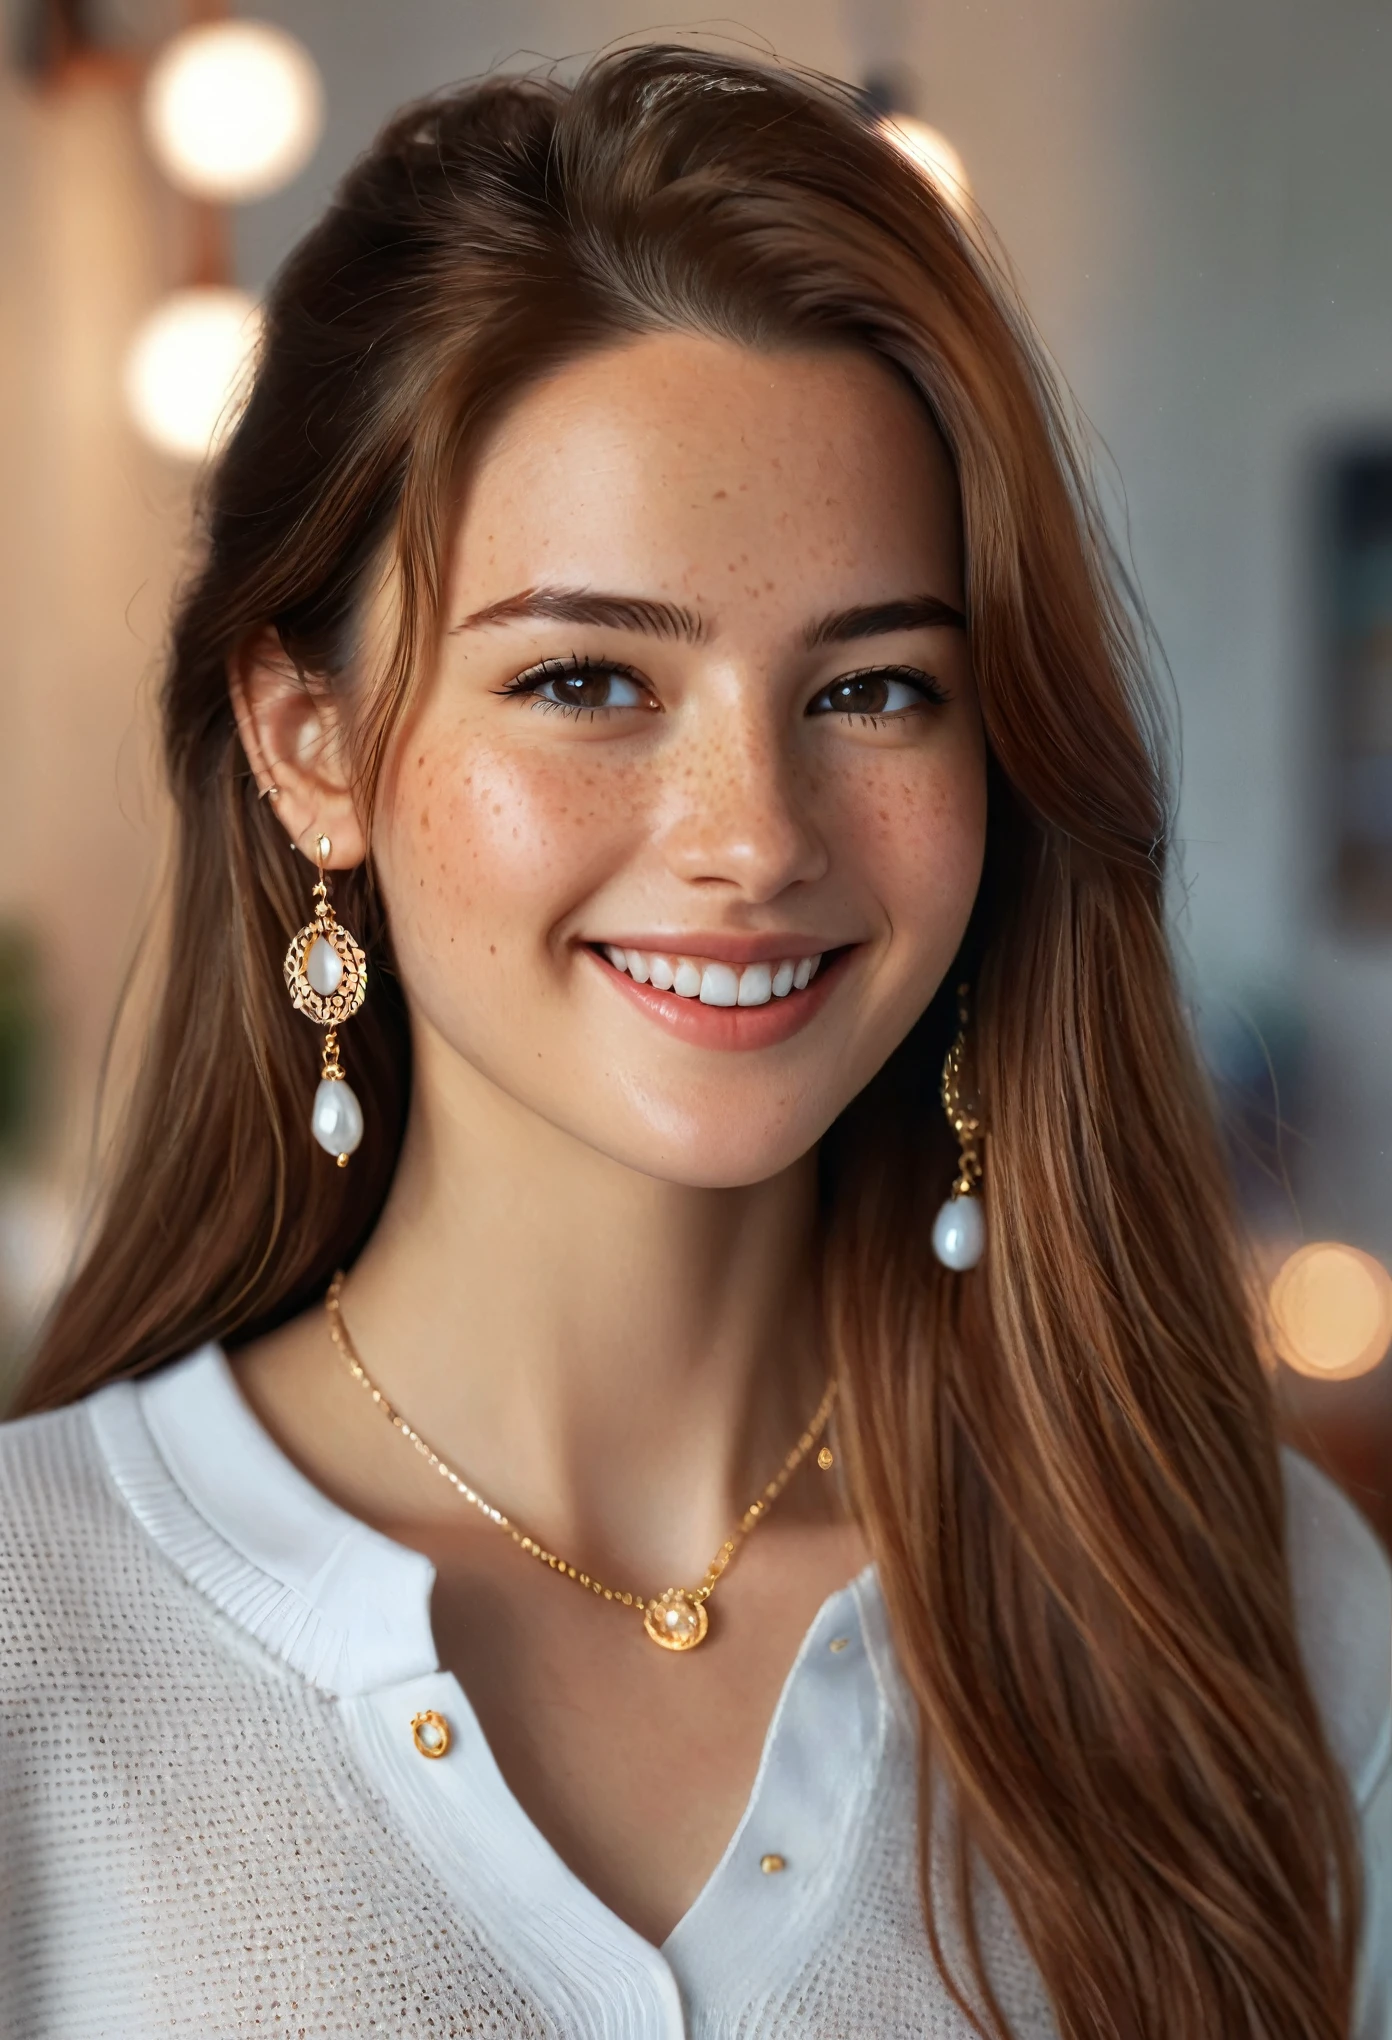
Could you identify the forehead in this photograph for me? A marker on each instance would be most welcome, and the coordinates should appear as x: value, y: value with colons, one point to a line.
x: 714, y: 474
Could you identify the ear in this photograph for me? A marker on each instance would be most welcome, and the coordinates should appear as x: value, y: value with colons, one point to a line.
x: 295, y: 743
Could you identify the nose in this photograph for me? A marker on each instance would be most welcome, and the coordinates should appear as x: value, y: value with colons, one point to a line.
x: 738, y: 810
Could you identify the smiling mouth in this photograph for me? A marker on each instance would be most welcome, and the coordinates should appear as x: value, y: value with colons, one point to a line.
x: 710, y: 983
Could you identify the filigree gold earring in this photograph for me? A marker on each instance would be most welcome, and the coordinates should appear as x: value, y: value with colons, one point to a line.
x: 326, y: 977
x: 959, y: 1230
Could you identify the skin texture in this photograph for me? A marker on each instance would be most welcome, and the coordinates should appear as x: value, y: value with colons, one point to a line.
x: 592, y: 1285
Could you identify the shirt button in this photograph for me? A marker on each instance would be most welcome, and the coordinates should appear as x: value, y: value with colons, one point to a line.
x: 430, y: 1733
x: 770, y: 1865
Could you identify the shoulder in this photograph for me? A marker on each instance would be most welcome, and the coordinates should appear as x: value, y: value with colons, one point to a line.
x: 1342, y: 1584
x: 50, y: 1470
x: 63, y: 1533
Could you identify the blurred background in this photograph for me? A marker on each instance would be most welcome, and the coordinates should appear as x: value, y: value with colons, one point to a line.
x: 1194, y: 197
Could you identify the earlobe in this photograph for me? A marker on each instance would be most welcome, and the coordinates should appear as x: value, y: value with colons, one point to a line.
x: 295, y: 746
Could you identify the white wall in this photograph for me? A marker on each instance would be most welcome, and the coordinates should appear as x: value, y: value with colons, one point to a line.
x: 1253, y: 288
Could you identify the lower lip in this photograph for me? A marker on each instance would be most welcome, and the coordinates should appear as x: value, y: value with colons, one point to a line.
x: 731, y: 1026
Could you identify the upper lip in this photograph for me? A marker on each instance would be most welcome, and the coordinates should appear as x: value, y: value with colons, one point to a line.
x: 713, y: 948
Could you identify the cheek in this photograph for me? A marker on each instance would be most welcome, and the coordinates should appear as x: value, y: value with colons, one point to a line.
x: 486, y: 840
x: 916, y: 829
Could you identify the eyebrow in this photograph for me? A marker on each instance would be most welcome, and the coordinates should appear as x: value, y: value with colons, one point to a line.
x: 585, y: 606
x: 669, y: 620
x: 879, y: 619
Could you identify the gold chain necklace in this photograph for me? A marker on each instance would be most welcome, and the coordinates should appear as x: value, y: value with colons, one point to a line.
x: 676, y: 1619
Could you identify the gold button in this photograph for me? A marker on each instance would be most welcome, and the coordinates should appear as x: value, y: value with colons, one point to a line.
x: 770, y: 1865
x: 839, y: 1643
x: 430, y: 1733
x: 826, y: 1459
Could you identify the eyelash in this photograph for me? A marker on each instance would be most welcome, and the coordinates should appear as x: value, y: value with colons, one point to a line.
x: 529, y: 683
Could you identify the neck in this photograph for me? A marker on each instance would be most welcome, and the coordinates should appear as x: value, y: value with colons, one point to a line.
x: 618, y: 1362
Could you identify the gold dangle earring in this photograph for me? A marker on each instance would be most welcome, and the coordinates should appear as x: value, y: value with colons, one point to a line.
x: 326, y: 977
x: 959, y: 1230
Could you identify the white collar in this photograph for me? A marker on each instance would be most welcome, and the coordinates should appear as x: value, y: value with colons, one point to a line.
x: 345, y: 1606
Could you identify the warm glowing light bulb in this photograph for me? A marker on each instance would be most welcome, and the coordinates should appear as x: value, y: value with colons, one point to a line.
x: 233, y: 109
x: 1331, y: 1311
x: 188, y: 371
x: 930, y: 152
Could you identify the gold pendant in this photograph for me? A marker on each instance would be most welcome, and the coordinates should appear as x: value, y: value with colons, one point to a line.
x: 676, y: 1620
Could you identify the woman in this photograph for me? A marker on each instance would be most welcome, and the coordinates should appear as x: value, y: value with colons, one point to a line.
x: 579, y: 681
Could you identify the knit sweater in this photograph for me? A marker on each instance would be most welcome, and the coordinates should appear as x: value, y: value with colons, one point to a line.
x: 214, y: 1819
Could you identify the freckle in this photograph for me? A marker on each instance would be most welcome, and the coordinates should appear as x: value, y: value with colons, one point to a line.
x: 497, y: 807
x: 720, y: 495
x: 492, y: 949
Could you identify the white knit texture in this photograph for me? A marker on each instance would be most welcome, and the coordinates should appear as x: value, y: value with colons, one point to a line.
x: 196, y: 1839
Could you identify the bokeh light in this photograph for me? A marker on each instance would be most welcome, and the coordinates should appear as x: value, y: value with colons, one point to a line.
x: 932, y: 153
x: 189, y: 369
x: 233, y: 110
x: 1331, y: 1311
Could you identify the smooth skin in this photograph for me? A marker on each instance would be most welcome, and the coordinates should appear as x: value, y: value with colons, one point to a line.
x: 592, y: 1286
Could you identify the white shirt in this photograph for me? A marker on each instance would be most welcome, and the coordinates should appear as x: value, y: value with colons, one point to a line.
x: 214, y: 1819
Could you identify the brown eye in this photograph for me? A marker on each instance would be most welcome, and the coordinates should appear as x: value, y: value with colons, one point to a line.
x: 866, y: 696
x: 594, y: 688
x: 886, y: 691
x: 582, y: 689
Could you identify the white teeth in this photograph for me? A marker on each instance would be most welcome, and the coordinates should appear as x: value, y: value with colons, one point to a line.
x: 714, y: 984
x: 755, y: 985
x: 719, y: 985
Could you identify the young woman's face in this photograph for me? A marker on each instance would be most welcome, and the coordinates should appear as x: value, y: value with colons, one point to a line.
x: 687, y: 827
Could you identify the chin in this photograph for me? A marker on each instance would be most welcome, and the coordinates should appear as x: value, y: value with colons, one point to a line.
x: 711, y: 1156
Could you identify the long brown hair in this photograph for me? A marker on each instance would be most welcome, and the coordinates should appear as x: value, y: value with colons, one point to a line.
x: 1066, y: 1461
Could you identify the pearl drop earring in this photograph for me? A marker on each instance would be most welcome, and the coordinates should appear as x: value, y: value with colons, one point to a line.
x: 326, y: 977
x: 959, y: 1230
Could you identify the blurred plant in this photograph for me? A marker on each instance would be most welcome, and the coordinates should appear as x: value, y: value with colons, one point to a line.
x: 21, y: 1046
x: 30, y: 1217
